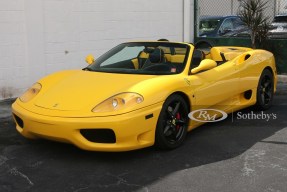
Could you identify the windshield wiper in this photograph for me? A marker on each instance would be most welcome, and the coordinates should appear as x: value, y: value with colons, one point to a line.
x: 87, y: 69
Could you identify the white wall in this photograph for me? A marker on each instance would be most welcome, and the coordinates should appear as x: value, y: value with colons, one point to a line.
x: 38, y: 37
x: 13, y: 68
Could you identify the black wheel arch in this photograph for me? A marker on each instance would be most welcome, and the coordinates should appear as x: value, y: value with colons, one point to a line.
x: 271, y: 71
x: 184, y: 96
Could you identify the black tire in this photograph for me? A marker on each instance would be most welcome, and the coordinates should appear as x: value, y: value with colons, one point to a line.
x: 172, y: 123
x: 265, y: 90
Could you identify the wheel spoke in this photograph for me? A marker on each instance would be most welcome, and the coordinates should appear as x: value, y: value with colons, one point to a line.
x: 263, y: 98
x: 180, y: 122
x: 174, y: 135
x: 261, y: 89
x: 175, y: 110
x: 267, y: 96
x: 166, y: 129
x: 178, y: 133
x: 169, y: 112
x: 267, y: 84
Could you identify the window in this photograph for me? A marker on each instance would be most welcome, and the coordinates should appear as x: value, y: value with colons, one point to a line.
x: 227, y: 25
x: 128, y: 53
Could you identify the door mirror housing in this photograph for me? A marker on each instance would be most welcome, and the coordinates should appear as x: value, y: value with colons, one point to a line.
x: 90, y: 59
x: 204, y: 65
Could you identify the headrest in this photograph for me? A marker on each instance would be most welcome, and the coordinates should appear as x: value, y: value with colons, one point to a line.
x: 197, y: 54
x: 157, y: 56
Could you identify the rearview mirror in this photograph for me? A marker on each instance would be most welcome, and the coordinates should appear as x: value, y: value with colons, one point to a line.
x: 204, y: 65
x: 90, y: 59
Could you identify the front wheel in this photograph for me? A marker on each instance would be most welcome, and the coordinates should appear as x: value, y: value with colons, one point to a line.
x: 172, y: 123
x: 265, y: 90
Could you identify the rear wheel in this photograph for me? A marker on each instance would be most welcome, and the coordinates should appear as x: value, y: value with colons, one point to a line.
x: 172, y: 123
x: 265, y: 90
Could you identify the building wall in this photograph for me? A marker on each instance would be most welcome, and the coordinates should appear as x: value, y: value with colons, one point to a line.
x: 39, y: 37
x: 12, y: 47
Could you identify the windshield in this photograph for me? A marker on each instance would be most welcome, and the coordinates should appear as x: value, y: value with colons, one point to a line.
x: 155, y: 58
x: 280, y: 19
x: 208, y: 25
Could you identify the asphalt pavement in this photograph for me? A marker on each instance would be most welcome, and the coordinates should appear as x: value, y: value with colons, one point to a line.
x: 245, y: 152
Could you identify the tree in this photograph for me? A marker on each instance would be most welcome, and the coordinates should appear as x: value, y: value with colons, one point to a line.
x: 252, y: 15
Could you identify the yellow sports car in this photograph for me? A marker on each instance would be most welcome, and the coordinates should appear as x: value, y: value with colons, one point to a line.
x: 140, y: 94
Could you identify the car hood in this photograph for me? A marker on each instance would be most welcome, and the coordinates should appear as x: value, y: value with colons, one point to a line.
x: 84, y: 90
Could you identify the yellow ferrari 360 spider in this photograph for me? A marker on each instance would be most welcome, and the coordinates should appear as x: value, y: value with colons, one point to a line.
x: 140, y: 94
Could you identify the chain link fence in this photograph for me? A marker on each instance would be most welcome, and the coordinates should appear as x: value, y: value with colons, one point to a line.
x: 281, y: 7
x: 216, y: 8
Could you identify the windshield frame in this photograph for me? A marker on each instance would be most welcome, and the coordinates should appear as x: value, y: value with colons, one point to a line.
x: 95, y: 67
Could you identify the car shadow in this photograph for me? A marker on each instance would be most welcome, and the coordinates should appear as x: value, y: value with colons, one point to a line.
x: 62, y: 167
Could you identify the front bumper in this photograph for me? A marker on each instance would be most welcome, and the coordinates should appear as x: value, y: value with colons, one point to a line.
x: 132, y: 130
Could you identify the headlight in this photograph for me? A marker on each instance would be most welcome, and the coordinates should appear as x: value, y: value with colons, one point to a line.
x: 31, y: 93
x: 119, y: 101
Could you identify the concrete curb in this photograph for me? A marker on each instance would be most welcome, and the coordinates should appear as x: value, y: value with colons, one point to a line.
x: 5, y: 108
x: 282, y: 78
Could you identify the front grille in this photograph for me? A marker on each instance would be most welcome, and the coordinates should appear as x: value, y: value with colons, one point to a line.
x: 19, y: 121
x: 99, y: 135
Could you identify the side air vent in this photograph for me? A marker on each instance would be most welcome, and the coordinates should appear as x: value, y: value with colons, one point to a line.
x: 19, y: 121
x: 246, y: 57
x: 247, y: 94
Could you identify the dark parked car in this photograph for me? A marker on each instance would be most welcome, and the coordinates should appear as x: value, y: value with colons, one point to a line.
x: 278, y: 27
x: 215, y: 26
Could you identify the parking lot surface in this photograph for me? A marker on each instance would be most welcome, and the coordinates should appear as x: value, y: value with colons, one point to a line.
x: 245, y: 152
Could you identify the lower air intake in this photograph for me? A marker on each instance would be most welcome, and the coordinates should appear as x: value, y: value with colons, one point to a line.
x: 99, y: 135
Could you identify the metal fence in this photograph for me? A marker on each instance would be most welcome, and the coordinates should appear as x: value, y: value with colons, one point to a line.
x: 231, y: 7
x: 213, y: 8
x: 281, y: 7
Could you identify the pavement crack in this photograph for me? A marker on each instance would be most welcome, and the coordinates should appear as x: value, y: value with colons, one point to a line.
x: 3, y: 160
x: 252, y: 159
x: 14, y: 171
x: 80, y: 189
x: 120, y: 180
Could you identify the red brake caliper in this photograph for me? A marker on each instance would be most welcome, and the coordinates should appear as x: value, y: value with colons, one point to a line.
x: 177, y: 117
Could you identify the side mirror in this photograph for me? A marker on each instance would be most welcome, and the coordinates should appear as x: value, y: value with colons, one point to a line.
x: 204, y: 65
x: 90, y: 59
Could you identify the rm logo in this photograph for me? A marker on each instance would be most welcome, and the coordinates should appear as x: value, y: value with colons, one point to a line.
x: 207, y: 115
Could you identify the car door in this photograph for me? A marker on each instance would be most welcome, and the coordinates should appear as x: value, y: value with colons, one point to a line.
x: 215, y: 86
